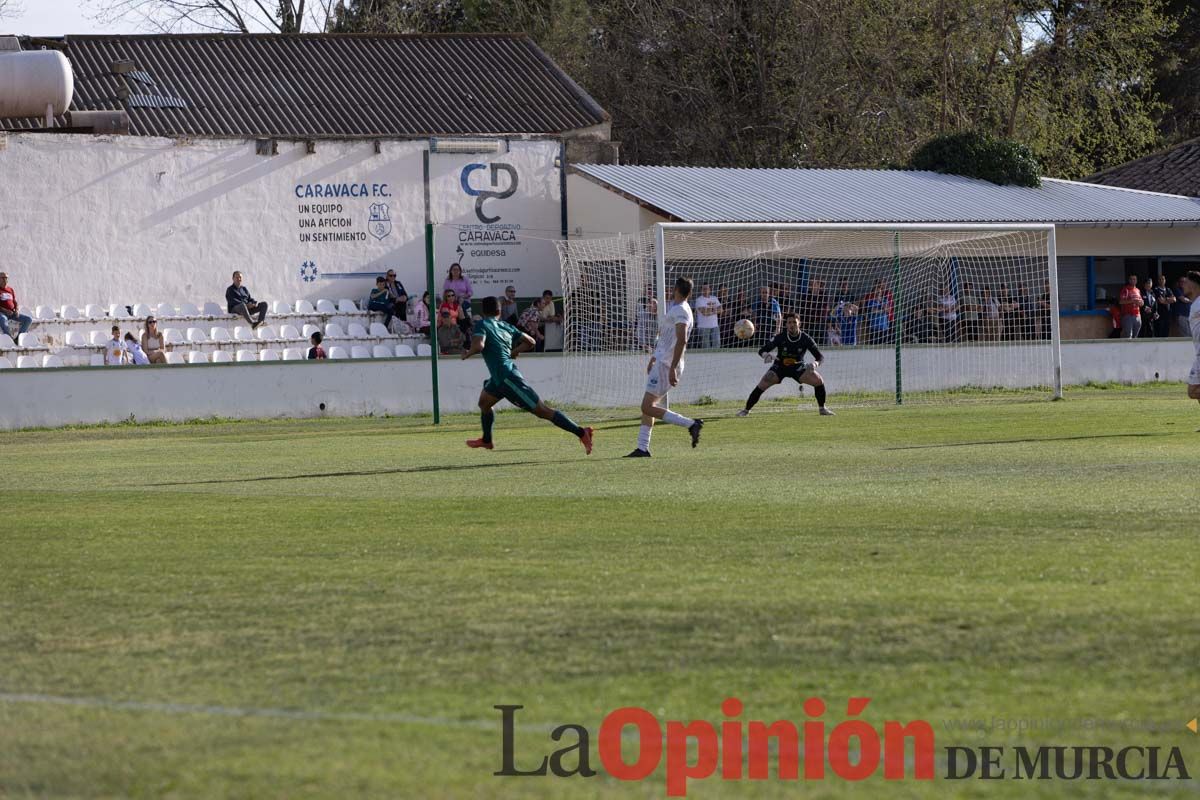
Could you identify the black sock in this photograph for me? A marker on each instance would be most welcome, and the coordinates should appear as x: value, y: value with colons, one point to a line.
x: 753, y: 398
x: 820, y: 393
x: 488, y: 418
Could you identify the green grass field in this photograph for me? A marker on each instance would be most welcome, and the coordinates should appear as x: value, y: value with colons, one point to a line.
x: 331, y: 608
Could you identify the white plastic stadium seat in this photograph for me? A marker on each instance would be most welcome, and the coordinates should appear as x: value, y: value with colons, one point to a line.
x: 242, y: 333
x: 97, y: 360
x: 6, y: 342
x: 197, y: 357
x: 176, y: 357
x: 326, y: 307
x: 404, y: 351
x: 347, y: 306
x: 378, y: 331
x: 188, y: 310
x: 337, y: 352
x: 334, y: 331
x: 93, y: 311
x: 221, y: 357
x: 267, y: 332
x: 98, y: 337
x: 31, y: 340
x: 118, y: 311
x: 383, y: 351
x: 281, y: 307
x: 172, y: 336
x: 219, y: 334
x: 289, y: 333
x: 44, y: 312
x: 196, y: 335
x: 166, y: 310
x: 5, y: 363
x: 76, y: 339
x: 247, y: 355
x: 293, y: 354
x: 304, y: 307
x: 213, y: 310
x: 71, y: 312
x: 360, y: 351
x: 268, y: 354
x: 309, y: 330
x: 28, y: 362
x: 51, y: 361
x: 424, y: 350
x: 356, y: 331
x: 142, y: 310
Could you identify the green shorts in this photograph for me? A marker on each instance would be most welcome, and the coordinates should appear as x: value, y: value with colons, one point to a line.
x: 513, y: 388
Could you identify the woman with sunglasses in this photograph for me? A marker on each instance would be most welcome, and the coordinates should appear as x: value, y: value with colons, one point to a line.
x: 461, y: 286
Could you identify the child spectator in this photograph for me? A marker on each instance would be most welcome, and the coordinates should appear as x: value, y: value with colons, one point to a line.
x: 316, y: 351
x: 136, y: 354
x: 115, y: 353
x: 420, y: 316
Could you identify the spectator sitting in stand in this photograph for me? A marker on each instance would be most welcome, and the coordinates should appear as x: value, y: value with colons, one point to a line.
x: 136, y: 354
x: 398, y: 295
x: 153, y: 344
x: 10, y: 310
x: 449, y: 334
x: 530, y: 322
x: 115, y: 353
x: 381, y: 302
x: 1164, y: 303
x: 548, y: 310
x: 833, y: 334
x: 458, y: 315
x: 420, y: 316
x: 316, y: 351
x: 238, y: 301
x: 1131, y: 309
x: 508, y: 305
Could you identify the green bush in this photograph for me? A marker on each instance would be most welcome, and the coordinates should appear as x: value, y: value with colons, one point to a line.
x: 978, y: 155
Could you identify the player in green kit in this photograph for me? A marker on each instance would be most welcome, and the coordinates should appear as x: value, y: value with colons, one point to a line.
x: 495, y: 339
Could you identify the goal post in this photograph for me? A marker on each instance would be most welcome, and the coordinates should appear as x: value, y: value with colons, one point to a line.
x: 901, y: 312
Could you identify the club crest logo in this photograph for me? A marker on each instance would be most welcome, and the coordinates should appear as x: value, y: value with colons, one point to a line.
x: 380, y: 224
x: 308, y: 271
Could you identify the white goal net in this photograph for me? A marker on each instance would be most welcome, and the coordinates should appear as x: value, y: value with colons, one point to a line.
x: 901, y: 314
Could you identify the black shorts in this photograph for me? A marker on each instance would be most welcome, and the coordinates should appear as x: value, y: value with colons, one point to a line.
x: 782, y: 371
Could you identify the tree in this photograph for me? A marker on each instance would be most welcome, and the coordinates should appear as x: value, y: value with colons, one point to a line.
x: 232, y: 16
x: 1177, y: 73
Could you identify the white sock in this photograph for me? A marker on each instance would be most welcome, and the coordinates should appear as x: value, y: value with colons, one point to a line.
x: 644, y: 438
x: 677, y: 419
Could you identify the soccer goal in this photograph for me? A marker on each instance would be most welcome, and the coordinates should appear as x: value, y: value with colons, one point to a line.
x: 901, y: 313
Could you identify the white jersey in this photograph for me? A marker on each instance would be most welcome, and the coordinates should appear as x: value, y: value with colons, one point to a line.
x: 664, y: 352
x: 1194, y: 322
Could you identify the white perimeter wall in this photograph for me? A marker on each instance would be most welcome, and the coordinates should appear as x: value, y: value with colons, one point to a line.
x: 52, y: 397
x: 121, y: 219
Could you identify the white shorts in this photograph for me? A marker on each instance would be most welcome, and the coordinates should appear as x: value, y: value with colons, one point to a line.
x: 1193, y: 378
x: 658, y: 381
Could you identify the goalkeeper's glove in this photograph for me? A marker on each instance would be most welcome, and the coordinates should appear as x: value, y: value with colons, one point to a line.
x: 767, y: 358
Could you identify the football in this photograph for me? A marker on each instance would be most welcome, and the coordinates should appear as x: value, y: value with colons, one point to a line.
x: 743, y: 329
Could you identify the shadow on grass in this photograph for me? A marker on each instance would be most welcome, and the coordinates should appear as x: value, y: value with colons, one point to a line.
x: 1082, y: 438
x: 361, y: 473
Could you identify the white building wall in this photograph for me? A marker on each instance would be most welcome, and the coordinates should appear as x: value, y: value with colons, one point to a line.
x: 54, y: 397
x: 95, y: 219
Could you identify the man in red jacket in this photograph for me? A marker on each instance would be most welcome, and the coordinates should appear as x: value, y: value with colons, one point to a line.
x: 10, y: 310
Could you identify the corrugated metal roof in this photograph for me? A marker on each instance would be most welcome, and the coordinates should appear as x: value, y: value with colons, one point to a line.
x: 314, y: 85
x: 710, y: 194
x: 1175, y: 170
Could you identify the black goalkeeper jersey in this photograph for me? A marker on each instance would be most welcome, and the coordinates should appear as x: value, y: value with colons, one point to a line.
x: 790, y: 352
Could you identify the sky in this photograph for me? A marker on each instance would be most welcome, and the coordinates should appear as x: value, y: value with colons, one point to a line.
x: 57, y: 17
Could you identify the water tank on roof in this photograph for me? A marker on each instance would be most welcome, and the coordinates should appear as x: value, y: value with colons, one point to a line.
x: 34, y: 82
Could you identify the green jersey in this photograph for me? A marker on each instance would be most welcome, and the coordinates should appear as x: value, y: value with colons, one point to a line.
x: 497, y: 346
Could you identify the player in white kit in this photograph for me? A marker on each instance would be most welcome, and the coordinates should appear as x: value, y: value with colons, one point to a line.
x: 664, y: 370
x: 1191, y: 288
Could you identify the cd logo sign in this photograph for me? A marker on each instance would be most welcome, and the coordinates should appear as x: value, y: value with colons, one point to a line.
x: 481, y: 195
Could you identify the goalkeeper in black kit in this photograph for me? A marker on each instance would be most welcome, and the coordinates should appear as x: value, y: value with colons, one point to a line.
x: 791, y: 345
